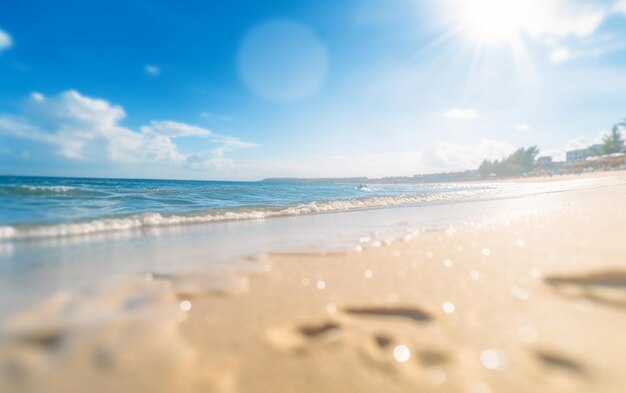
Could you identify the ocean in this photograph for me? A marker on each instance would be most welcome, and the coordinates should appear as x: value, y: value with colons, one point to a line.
x: 56, y: 207
x: 71, y: 236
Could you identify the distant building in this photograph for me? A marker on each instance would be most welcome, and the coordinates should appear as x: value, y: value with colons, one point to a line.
x: 577, y: 155
x: 544, y: 161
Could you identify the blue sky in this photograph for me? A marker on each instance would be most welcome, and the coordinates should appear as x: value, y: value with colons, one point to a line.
x: 252, y: 89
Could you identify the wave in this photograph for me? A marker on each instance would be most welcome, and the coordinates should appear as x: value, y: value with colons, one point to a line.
x: 151, y: 219
x: 14, y: 190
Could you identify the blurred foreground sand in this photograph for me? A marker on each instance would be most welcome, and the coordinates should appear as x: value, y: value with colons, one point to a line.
x: 535, y: 304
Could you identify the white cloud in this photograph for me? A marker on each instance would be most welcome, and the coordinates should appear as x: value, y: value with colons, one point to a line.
x: 37, y: 96
x: 522, y: 127
x: 587, y: 48
x: 578, y: 143
x: 445, y: 156
x: 557, y: 20
x: 5, y: 40
x: 71, y: 110
x: 560, y: 18
x: 581, y: 142
x: 232, y: 143
x: 560, y: 55
x: 84, y: 128
x: 217, y: 158
x: 174, y: 129
x: 461, y: 114
x: 152, y: 69
x: 437, y: 156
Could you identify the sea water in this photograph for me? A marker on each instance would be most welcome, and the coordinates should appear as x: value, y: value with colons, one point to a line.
x: 55, y: 207
x: 67, y: 234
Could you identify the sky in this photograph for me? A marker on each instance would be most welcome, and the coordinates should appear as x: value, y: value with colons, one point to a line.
x: 243, y: 90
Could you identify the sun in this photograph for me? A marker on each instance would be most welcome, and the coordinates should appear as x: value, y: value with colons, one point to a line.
x: 493, y: 21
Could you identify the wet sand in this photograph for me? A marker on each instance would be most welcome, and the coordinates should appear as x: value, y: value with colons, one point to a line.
x: 536, y: 303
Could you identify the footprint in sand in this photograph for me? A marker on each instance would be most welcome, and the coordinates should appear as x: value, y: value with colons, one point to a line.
x: 301, y: 338
x: 383, y: 341
x: 433, y: 358
x: 45, y: 338
x: 606, y: 286
x: 387, y: 342
x: 560, y: 362
x: 373, y: 331
x: 315, y: 331
x: 414, y: 314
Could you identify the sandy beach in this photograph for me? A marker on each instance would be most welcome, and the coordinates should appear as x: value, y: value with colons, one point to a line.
x: 313, y: 196
x: 535, y: 303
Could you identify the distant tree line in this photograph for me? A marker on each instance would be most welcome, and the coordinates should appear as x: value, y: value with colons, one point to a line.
x: 518, y: 163
x: 523, y: 159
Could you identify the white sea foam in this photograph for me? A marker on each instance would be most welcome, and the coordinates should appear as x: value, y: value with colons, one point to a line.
x: 28, y: 190
x: 7, y: 232
x: 50, y: 188
x: 148, y: 220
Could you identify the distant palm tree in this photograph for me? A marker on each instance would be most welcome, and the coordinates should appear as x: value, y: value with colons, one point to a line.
x: 613, y: 141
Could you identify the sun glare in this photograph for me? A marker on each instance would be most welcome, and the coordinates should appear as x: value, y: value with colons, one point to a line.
x: 493, y: 21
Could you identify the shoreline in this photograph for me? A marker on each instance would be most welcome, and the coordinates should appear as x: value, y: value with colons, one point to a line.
x: 77, y: 263
x: 560, y: 177
x: 146, y: 221
x: 492, y: 306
